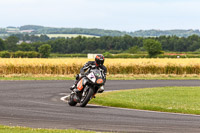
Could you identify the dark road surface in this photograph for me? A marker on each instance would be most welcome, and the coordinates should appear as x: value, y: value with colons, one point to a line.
x: 37, y: 104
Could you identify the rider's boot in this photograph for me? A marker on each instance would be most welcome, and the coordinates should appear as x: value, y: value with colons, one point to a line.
x: 75, y: 82
x: 94, y: 96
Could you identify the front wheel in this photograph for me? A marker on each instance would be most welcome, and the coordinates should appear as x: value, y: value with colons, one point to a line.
x: 71, y: 101
x: 86, y: 98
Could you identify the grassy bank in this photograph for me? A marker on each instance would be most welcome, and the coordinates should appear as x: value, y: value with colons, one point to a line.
x: 35, y: 77
x: 7, y: 129
x: 164, y: 99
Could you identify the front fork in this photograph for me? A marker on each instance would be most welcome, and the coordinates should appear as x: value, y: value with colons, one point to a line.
x: 85, y: 90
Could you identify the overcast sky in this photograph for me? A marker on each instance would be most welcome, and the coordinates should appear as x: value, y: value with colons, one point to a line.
x: 123, y: 15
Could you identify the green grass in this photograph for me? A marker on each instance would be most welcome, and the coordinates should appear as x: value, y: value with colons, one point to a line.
x: 36, y: 78
x: 164, y: 99
x: 7, y: 129
x: 153, y: 78
x: 109, y: 77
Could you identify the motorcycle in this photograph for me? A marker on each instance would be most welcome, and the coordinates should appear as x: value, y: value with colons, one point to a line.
x: 90, y: 84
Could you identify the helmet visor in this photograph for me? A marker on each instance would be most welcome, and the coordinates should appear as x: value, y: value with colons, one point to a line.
x: 100, y: 62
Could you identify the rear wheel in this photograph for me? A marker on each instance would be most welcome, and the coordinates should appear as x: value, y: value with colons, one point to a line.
x: 86, y: 98
x: 71, y: 101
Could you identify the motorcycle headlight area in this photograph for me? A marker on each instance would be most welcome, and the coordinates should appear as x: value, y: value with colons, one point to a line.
x: 99, y: 81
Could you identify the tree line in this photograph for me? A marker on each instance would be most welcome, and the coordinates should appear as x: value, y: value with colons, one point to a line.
x: 102, y: 32
x: 102, y: 44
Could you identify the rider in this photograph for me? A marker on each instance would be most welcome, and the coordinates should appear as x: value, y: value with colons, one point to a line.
x: 98, y: 63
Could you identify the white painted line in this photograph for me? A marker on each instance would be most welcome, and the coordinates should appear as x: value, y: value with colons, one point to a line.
x: 64, y: 98
x: 63, y: 94
x: 148, y: 111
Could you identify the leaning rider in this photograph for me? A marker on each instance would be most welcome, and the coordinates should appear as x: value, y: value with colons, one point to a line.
x: 98, y: 63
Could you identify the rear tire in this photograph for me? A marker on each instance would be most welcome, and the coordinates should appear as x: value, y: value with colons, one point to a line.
x: 87, y: 98
x: 71, y: 101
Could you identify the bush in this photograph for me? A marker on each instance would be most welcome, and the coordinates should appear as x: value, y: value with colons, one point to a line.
x: 19, y: 54
x: 107, y: 55
x: 5, y: 54
x: 45, y: 50
x: 124, y: 55
x: 67, y: 55
x: 153, y: 47
x: 33, y: 54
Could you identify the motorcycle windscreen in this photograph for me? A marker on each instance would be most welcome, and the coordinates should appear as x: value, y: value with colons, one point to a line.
x: 80, y: 85
x: 92, y: 77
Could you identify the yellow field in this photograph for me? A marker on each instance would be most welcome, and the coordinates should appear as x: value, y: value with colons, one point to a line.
x: 115, y: 66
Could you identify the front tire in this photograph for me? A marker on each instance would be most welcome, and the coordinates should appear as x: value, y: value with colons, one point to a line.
x: 86, y: 99
x: 71, y: 101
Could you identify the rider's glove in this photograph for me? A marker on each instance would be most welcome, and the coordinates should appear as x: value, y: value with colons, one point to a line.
x: 82, y: 74
x: 77, y: 77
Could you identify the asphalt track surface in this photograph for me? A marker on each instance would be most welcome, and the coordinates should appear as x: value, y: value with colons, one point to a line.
x: 37, y: 104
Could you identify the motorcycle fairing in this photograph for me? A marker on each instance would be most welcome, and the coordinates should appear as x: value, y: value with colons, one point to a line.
x: 81, y: 84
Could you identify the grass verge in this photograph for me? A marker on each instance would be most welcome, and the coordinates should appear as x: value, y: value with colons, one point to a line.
x: 109, y: 77
x: 165, y: 99
x: 7, y: 129
x: 36, y: 78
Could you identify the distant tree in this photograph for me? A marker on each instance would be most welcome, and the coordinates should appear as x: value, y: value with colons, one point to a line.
x: 45, y: 50
x: 2, y: 45
x: 34, y: 38
x: 127, y: 41
x: 133, y: 49
x: 198, y: 50
x: 44, y: 38
x: 25, y: 47
x: 193, y: 43
x: 11, y: 43
x: 59, y: 45
x: 112, y: 44
x: 153, y: 47
x: 36, y: 45
x: 194, y: 46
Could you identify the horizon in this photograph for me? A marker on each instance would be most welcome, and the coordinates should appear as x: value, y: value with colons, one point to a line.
x: 99, y: 28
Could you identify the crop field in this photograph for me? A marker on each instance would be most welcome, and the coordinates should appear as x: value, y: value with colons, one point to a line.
x: 115, y: 66
x: 67, y: 35
x: 60, y: 66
